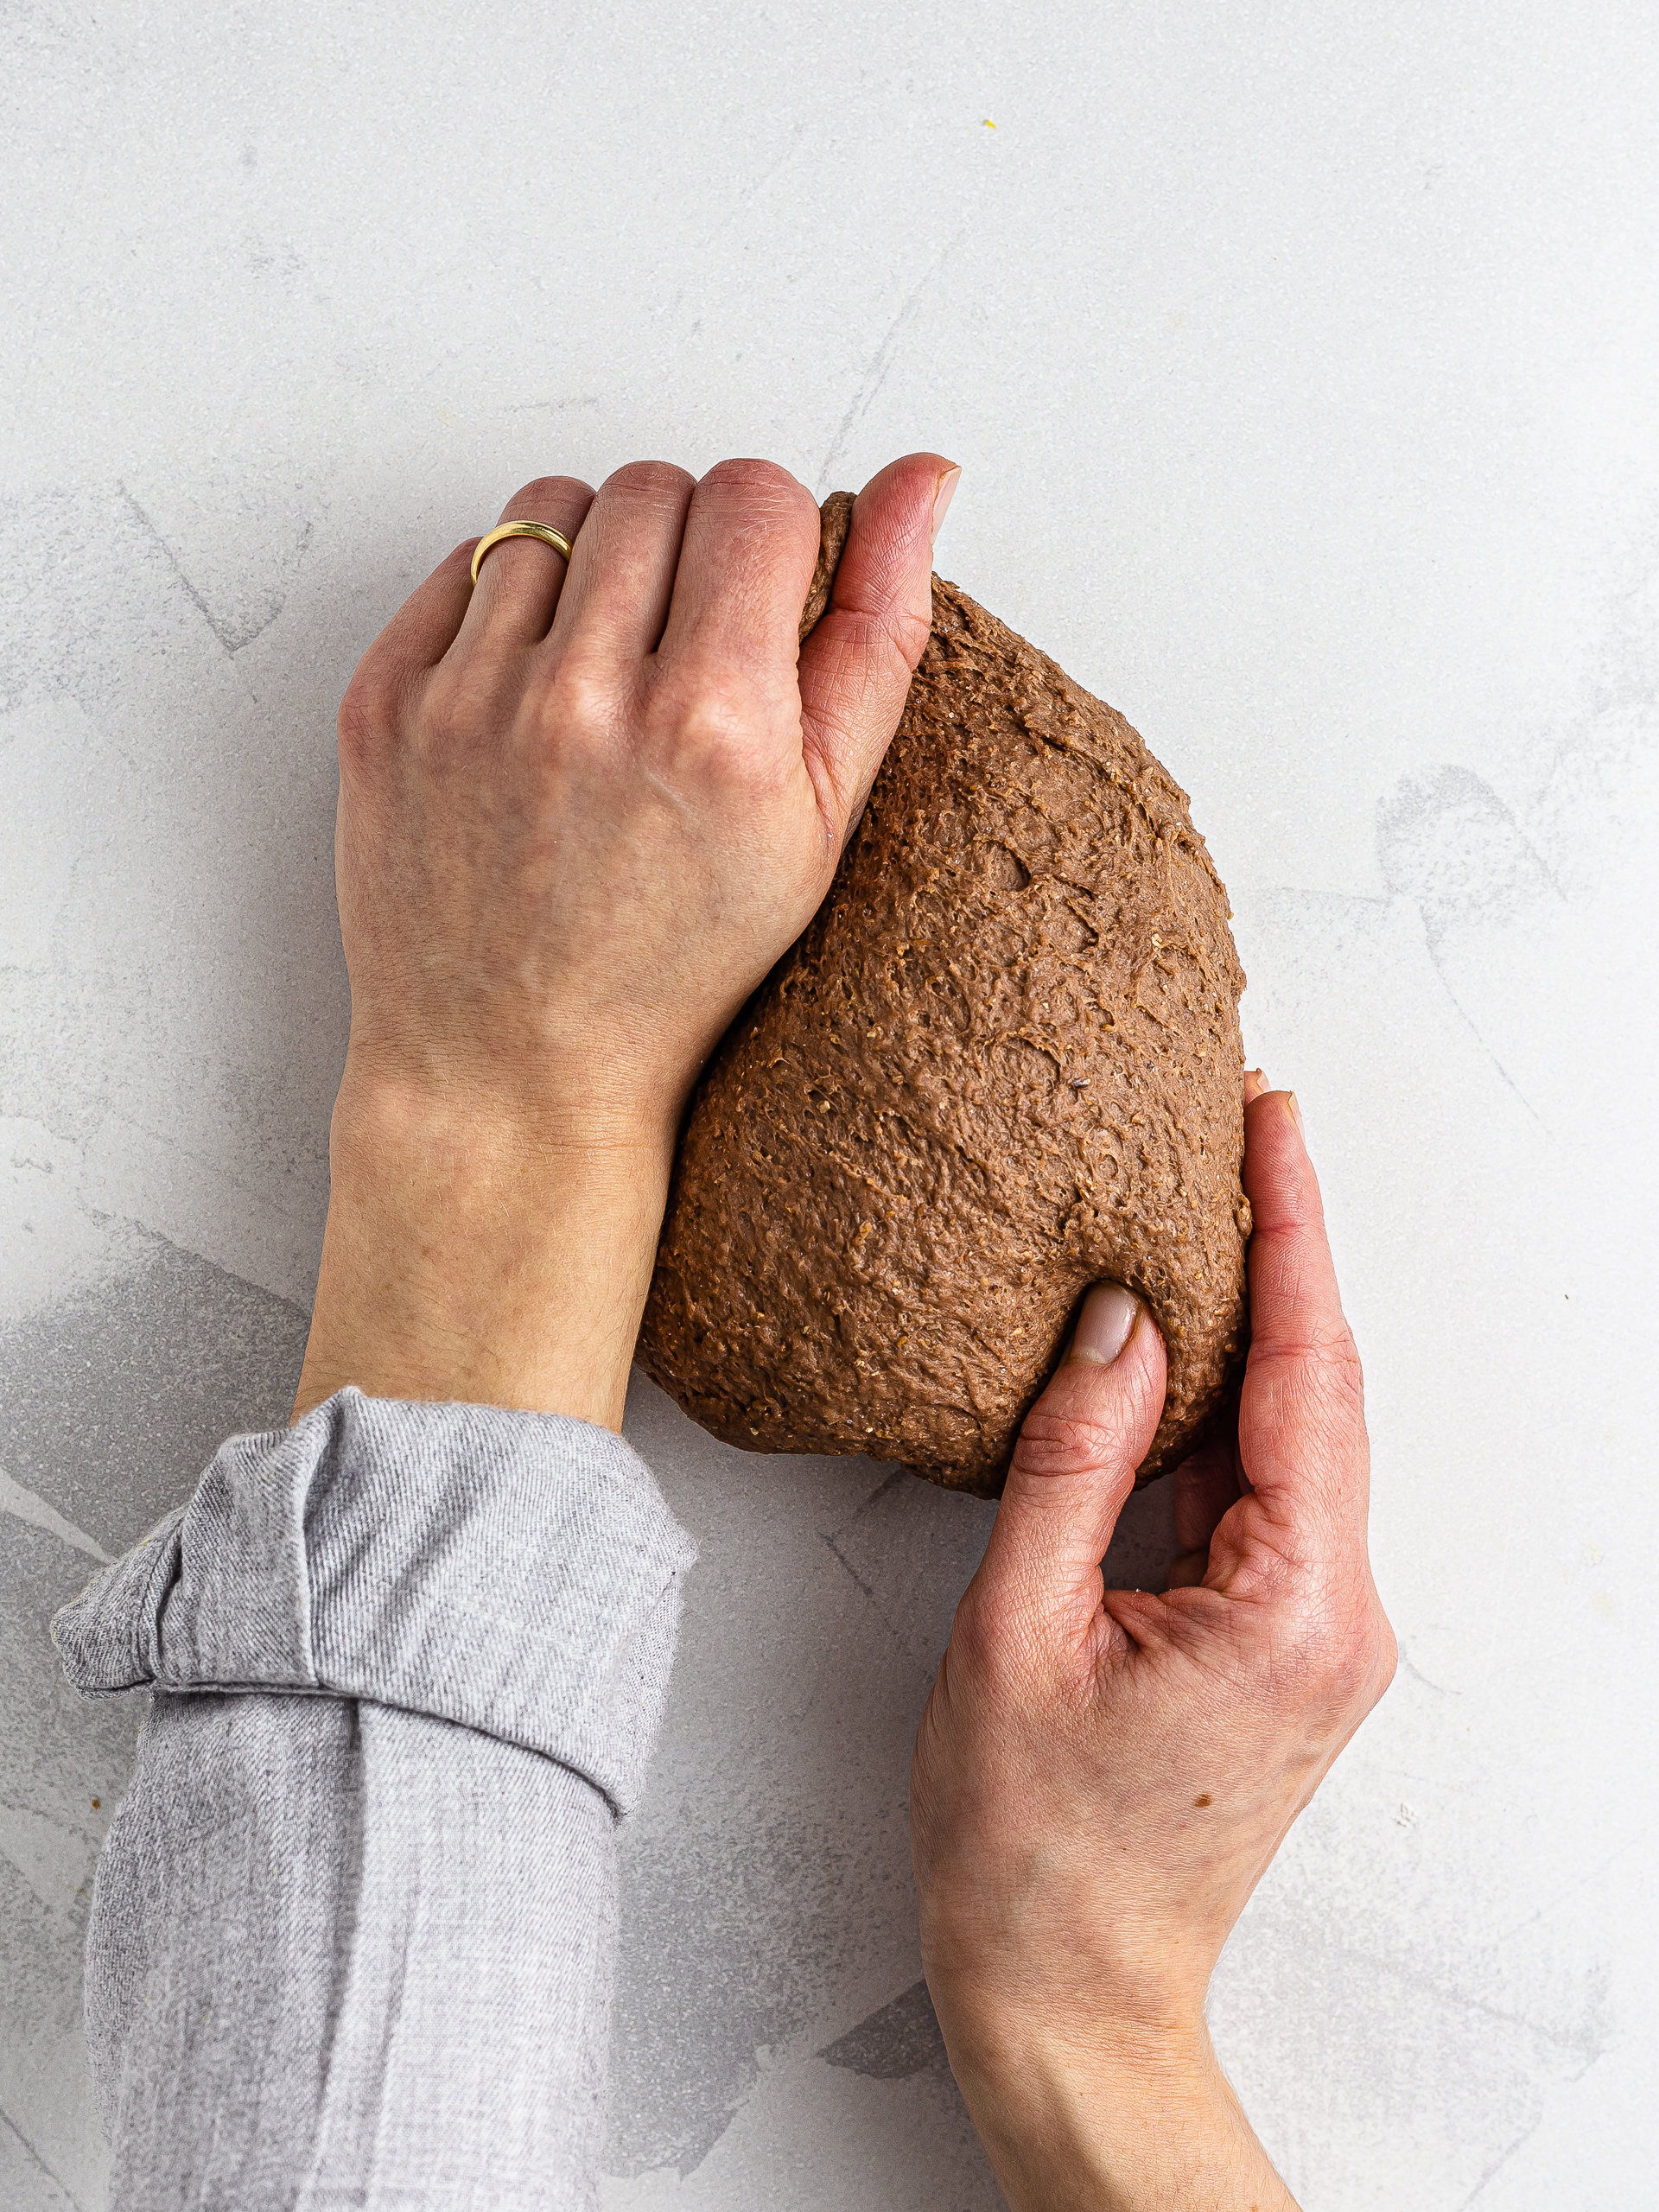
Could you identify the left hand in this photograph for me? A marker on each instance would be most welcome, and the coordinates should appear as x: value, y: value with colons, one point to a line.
x: 580, y: 816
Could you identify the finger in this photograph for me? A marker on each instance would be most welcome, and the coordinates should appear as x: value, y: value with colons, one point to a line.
x: 855, y: 668
x: 1301, y: 1429
x: 1074, y: 1463
x: 616, y: 597
x: 421, y: 631
x: 521, y: 579
x: 746, y: 563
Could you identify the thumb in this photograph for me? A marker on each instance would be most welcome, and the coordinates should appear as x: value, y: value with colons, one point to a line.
x: 855, y: 666
x: 1080, y: 1445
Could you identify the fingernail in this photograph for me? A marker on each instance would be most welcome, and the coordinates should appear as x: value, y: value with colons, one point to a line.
x: 1103, y: 1326
x: 944, y: 496
x: 1295, y: 1115
x: 1256, y: 1084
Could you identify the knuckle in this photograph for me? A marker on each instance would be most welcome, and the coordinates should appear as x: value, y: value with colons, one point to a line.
x: 443, y: 717
x: 1349, y: 1668
x: 1337, y: 1358
x: 879, y: 653
x: 1314, y: 1386
x: 544, y: 493
x: 972, y: 1636
x: 1054, y: 1443
x: 1342, y: 1653
x: 1385, y: 1656
x: 1328, y: 1355
x: 761, y: 483
x: 654, y: 483
x: 987, y: 1651
x: 704, y: 715
x: 369, y: 714
x: 460, y: 708
x: 580, y: 703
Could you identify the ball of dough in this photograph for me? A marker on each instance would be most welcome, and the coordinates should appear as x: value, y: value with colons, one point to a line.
x: 1003, y: 1062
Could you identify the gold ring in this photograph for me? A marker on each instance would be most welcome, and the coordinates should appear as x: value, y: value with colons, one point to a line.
x: 545, y: 530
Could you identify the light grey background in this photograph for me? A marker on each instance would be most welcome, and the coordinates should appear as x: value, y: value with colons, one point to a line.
x: 1300, y: 358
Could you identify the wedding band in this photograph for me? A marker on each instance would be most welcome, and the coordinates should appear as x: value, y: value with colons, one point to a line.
x: 545, y: 530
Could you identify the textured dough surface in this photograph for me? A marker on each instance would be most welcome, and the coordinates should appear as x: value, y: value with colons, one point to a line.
x: 1002, y: 1062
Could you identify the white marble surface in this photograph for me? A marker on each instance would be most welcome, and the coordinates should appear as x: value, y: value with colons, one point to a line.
x: 1300, y: 360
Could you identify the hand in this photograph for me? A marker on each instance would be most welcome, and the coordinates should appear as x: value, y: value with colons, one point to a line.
x: 580, y: 816
x: 1102, y: 1776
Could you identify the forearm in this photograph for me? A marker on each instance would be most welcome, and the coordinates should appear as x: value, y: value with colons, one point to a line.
x: 353, y: 1929
x: 343, y: 1954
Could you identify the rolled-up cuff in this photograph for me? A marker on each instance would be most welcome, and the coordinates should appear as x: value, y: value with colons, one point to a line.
x: 518, y: 1573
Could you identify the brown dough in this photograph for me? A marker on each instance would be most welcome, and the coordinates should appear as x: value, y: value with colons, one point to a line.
x: 1003, y: 1062
x: 835, y: 520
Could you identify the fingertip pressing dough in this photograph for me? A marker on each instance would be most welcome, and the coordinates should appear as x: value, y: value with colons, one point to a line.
x: 1003, y: 1062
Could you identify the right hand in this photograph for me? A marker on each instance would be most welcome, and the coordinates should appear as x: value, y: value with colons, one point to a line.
x: 1101, y: 1776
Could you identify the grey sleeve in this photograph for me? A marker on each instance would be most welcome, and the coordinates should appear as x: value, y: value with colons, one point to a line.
x: 354, y: 1925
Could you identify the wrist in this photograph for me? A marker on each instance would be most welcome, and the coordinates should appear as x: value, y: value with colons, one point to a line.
x: 489, y: 1131
x: 1117, y: 2120
x: 484, y: 1247
x: 574, y: 1102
